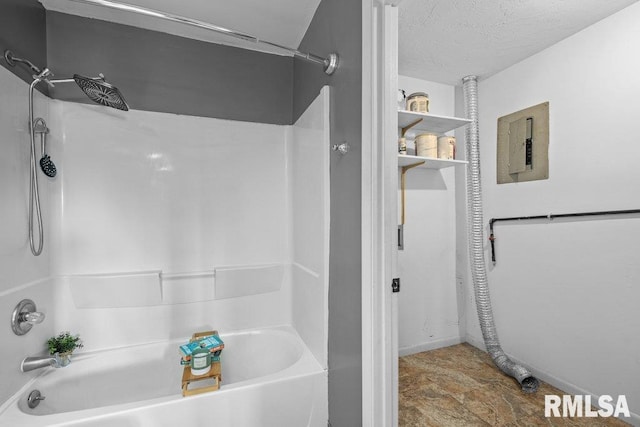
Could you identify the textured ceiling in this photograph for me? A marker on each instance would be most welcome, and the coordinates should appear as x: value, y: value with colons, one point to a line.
x: 279, y: 21
x: 443, y: 41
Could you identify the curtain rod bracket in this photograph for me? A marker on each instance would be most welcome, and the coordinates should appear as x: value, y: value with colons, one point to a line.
x: 331, y: 63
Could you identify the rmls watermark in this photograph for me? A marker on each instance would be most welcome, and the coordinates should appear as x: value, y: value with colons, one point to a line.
x: 580, y: 406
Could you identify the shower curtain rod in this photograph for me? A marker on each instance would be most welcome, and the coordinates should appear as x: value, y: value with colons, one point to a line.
x: 492, y: 238
x: 330, y: 63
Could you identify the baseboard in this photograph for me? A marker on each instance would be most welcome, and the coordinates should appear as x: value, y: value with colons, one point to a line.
x: 479, y: 344
x: 431, y: 345
x: 559, y: 383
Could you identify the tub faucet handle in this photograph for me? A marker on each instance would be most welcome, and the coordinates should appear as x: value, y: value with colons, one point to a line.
x: 25, y: 316
x: 33, y: 317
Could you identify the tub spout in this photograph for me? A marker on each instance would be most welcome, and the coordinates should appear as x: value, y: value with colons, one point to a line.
x: 32, y: 363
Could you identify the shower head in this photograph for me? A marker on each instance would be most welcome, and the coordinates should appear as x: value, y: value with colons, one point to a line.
x: 96, y: 88
x: 101, y: 92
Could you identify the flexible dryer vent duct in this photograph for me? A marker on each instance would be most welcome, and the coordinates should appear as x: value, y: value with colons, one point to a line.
x: 476, y: 240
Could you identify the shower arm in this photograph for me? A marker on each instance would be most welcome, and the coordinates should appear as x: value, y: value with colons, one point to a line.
x: 43, y: 76
x: 330, y: 63
x: 54, y: 82
x: 11, y: 60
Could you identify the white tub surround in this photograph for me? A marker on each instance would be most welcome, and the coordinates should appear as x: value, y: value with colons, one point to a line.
x: 163, y: 225
x: 166, y: 224
x: 23, y: 275
x: 143, y: 191
x: 310, y: 203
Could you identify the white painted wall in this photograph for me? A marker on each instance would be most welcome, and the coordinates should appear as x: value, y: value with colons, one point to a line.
x: 565, y: 294
x: 427, y: 304
x: 23, y: 275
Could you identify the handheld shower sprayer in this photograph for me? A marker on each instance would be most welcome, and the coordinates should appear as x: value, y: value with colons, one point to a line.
x: 46, y: 164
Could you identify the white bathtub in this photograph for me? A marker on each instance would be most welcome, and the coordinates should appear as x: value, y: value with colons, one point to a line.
x: 269, y: 378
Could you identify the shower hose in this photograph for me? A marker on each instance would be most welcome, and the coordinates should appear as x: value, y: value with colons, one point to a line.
x: 476, y: 245
x: 34, y: 196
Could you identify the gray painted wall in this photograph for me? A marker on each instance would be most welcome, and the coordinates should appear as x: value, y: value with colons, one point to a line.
x: 337, y: 27
x: 166, y: 73
x: 23, y: 31
x: 154, y: 71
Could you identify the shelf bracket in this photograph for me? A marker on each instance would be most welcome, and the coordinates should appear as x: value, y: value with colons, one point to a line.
x: 403, y: 185
x: 409, y: 126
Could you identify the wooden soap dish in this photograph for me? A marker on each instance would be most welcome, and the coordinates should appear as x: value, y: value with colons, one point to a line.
x: 214, y: 375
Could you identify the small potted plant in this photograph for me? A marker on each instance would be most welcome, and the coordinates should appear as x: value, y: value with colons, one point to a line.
x: 62, y: 347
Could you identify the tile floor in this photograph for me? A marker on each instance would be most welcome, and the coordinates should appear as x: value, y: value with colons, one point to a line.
x: 460, y: 386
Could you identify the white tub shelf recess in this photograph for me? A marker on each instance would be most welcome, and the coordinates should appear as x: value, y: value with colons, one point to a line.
x: 153, y: 288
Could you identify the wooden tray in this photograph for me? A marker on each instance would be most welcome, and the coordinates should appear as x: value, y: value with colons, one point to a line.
x: 214, y: 375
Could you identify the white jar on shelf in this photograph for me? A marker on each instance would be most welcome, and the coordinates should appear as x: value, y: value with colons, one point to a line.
x: 418, y: 102
x: 402, y: 146
x: 447, y: 147
x: 427, y: 145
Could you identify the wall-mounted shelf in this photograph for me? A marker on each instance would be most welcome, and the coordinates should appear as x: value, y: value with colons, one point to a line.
x: 429, y: 122
x: 410, y: 125
x: 429, y: 162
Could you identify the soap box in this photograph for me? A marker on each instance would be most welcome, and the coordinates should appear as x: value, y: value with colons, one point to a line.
x: 213, y: 343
